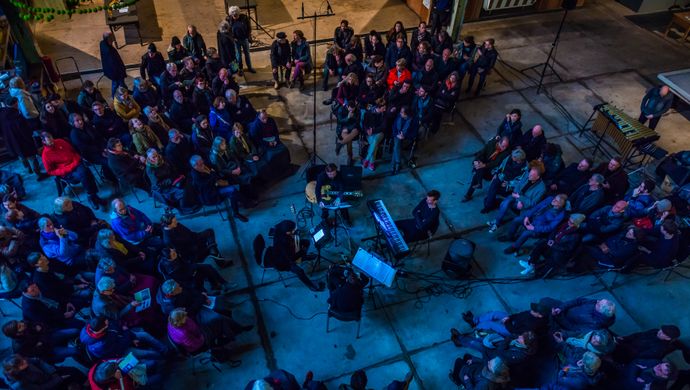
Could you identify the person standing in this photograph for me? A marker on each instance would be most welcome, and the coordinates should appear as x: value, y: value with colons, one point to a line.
x: 242, y: 32
x: 194, y: 43
x: 226, y: 46
x: 113, y: 67
x: 655, y: 104
x: 17, y: 136
x: 440, y: 15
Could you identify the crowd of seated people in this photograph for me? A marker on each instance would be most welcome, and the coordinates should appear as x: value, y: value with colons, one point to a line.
x: 571, y: 215
x: 99, y: 291
x: 564, y: 345
x: 387, y: 92
x: 189, y: 137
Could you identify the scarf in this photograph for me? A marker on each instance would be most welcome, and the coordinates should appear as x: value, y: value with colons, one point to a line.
x: 117, y: 245
x: 496, y: 152
x: 52, y: 304
x: 151, y: 164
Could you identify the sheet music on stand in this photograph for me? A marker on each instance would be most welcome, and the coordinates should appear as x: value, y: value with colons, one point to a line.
x: 375, y: 267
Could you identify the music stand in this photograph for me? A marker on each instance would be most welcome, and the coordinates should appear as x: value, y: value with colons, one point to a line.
x: 376, y: 268
x: 321, y: 236
x: 329, y: 12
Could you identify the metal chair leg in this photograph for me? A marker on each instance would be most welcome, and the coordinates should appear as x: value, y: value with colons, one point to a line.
x: 262, y: 276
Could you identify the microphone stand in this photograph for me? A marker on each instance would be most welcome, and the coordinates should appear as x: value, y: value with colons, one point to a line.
x: 315, y: 17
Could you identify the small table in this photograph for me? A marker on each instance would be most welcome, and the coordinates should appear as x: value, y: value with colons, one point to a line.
x: 682, y: 21
x: 118, y: 18
x: 244, y: 4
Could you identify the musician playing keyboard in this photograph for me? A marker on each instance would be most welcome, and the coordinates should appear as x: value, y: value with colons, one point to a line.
x: 327, y: 182
x: 426, y: 219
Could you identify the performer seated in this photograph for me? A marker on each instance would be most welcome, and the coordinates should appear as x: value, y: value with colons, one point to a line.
x: 287, y: 251
x: 425, y: 221
x: 330, y: 181
x: 346, y: 289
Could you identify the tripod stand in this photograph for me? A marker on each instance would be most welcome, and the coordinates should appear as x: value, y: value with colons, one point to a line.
x: 549, y: 59
x: 315, y: 17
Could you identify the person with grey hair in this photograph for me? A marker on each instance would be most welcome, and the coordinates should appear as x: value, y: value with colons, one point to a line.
x: 146, y: 93
x: 25, y: 102
x: 240, y: 108
x: 170, y: 81
x: 502, y: 176
x: 61, y: 244
x: 475, y: 374
x: 580, y: 314
x: 195, y: 45
x: 589, y: 196
x: 123, y: 253
x: 583, y: 374
x: 241, y: 29
x: 226, y: 46
x: 78, y: 218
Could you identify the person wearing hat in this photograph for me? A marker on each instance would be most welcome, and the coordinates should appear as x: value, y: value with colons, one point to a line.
x: 540, y: 220
x: 492, y: 155
x: 650, y: 344
x: 510, y: 325
x: 556, y: 249
x: 176, y: 52
x: 588, y: 197
x: 510, y: 169
x: 659, y: 212
x: 241, y: 28
x: 111, y: 62
x: 604, y: 222
x: 280, y: 59
x: 152, y: 64
x: 584, y: 374
x: 474, y: 374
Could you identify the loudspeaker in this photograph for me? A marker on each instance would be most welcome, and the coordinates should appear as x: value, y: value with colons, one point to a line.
x: 569, y: 4
x: 671, y: 166
x: 352, y: 177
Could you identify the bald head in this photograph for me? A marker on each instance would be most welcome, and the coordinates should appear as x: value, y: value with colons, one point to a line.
x: 537, y: 131
x: 664, y: 90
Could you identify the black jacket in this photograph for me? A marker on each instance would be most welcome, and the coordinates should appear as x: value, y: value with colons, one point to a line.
x: 178, y: 154
x: 280, y: 54
x: 109, y: 125
x: 570, y: 178
x: 16, y: 133
x: 113, y: 67
x: 151, y: 66
x: 125, y: 167
x: 226, y: 48
x: 241, y: 27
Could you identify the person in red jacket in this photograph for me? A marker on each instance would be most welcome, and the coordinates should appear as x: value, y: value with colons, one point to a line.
x: 399, y: 74
x: 62, y: 161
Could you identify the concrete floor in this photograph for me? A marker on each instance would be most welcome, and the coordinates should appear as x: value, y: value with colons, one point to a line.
x: 602, y: 57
